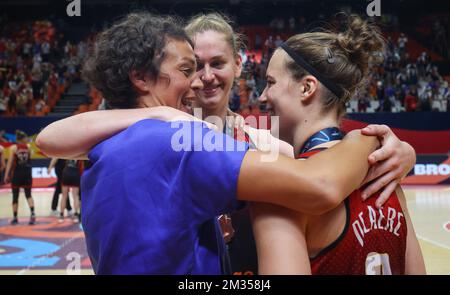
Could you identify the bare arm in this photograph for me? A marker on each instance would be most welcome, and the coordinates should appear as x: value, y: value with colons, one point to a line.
x: 73, y: 137
x: 280, y: 240
x: 12, y: 151
x: 51, y: 165
x: 414, y: 259
x: 313, y: 186
x: 389, y: 164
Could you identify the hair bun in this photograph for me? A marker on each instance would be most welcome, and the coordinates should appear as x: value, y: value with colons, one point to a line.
x: 362, y: 42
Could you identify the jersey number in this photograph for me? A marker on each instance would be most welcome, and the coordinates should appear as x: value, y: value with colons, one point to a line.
x: 22, y: 158
x: 378, y: 264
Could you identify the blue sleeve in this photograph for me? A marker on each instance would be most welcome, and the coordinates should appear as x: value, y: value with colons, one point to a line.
x: 183, y: 171
x: 209, y: 172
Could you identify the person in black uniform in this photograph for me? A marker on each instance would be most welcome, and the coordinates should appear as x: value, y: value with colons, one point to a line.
x: 71, y: 180
x: 59, y: 165
x: 19, y: 157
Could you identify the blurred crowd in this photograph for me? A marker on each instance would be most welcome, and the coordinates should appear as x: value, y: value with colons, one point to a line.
x: 399, y: 84
x: 36, y: 67
x: 403, y: 84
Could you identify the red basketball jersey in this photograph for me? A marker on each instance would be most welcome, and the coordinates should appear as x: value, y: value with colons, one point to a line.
x: 373, y: 240
x: 22, y: 155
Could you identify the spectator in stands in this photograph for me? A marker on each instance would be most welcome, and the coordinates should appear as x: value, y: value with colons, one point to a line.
x: 402, y: 41
x: 422, y: 63
x: 380, y: 94
x: 39, y: 106
x: 411, y: 74
x: 12, y: 99
x: 363, y: 103
x: 280, y: 24
x: 292, y: 24
x: 278, y: 41
x: 434, y: 74
x: 2, y: 78
x: 402, y: 78
x: 410, y: 101
x: 36, y: 84
x: 448, y: 103
x: 3, y: 103
x: 26, y: 49
x: 444, y: 91
x: 22, y: 102
x: 269, y: 46
x: 425, y: 99
x: 45, y: 51
x: 258, y: 42
x: 37, y: 60
x: 2, y: 48
x: 250, y: 83
x: 235, y: 100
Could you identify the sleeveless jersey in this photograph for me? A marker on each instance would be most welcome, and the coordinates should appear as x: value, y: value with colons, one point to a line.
x: 372, y: 242
x: 22, y: 156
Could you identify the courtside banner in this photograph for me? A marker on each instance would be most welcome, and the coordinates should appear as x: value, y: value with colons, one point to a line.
x: 430, y: 169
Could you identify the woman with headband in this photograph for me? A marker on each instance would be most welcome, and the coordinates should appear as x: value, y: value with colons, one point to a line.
x: 310, y: 79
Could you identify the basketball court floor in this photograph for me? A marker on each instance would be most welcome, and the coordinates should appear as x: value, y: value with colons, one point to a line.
x: 49, y: 247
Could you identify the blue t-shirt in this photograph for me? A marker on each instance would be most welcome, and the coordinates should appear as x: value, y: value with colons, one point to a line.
x: 150, y: 208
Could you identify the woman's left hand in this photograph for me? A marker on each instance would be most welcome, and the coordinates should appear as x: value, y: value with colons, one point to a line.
x: 390, y: 164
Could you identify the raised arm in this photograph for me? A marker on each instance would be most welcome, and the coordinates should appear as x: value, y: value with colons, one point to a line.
x: 73, y: 137
x: 312, y: 186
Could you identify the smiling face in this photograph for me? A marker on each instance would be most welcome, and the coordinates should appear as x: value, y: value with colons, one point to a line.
x: 217, y: 67
x: 174, y: 86
x: 282, y: 95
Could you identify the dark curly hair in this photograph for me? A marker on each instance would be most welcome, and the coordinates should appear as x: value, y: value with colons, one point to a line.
x: 133, y: 43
